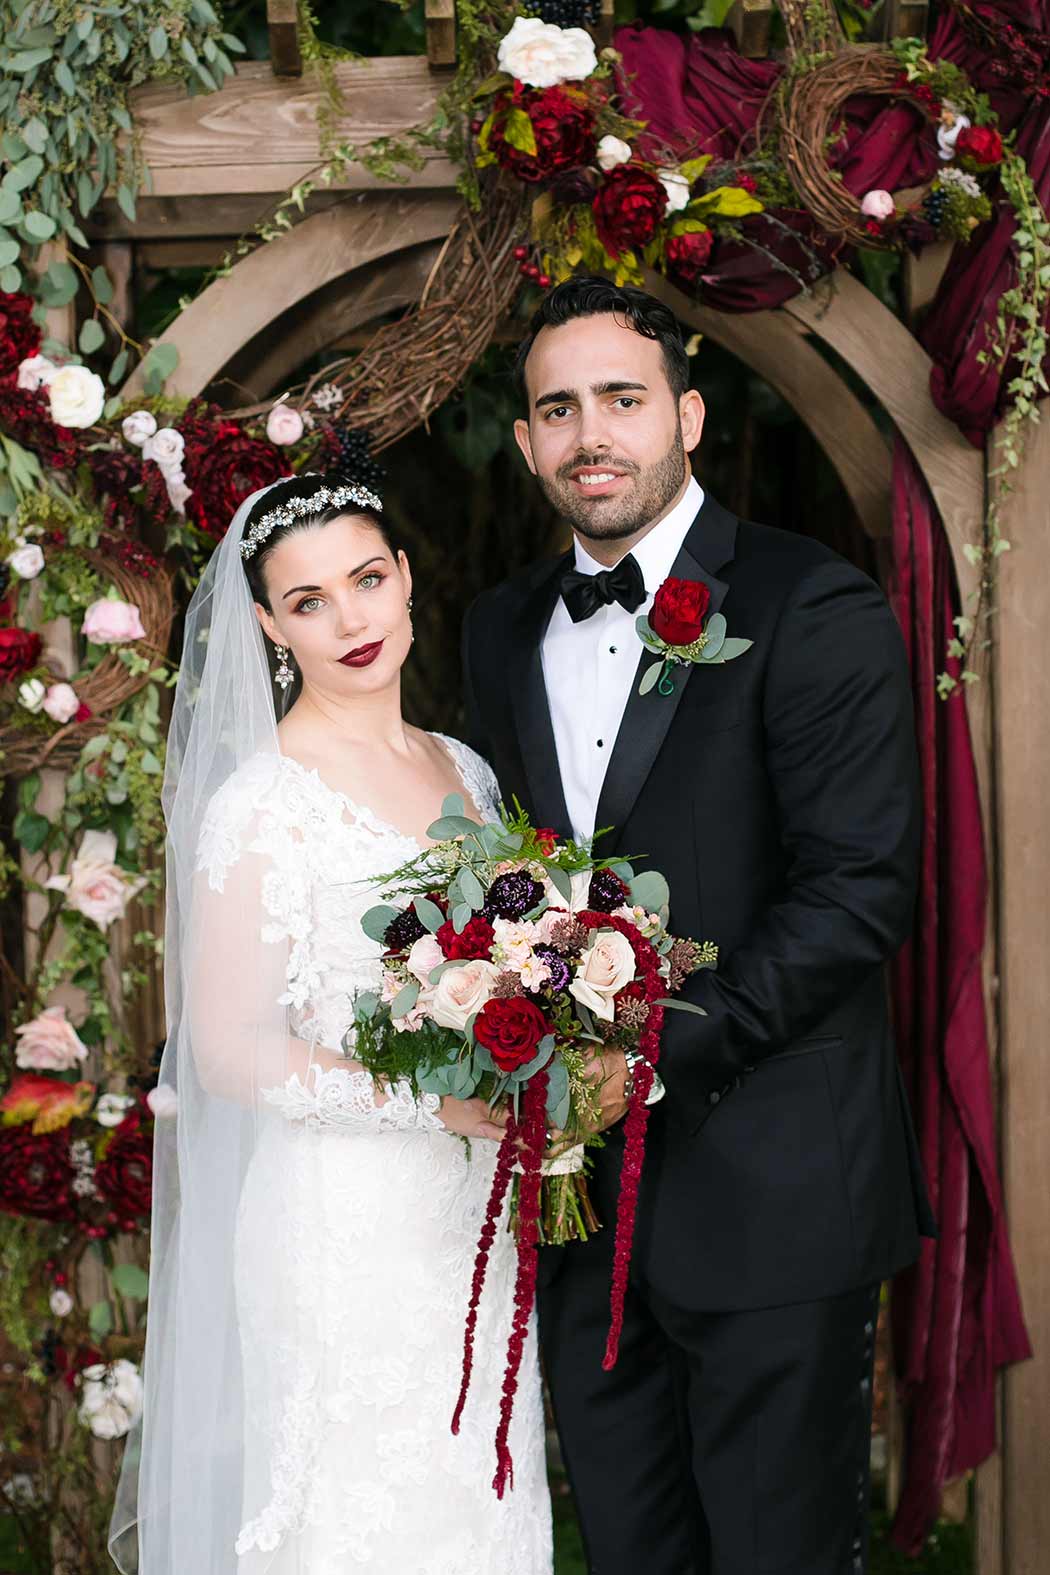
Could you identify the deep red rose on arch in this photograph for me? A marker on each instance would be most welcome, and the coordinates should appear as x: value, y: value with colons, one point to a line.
x: 36, y: 1177
x: 19, y: 335
x: 510, y: 1028
x: 224, y: 466
x: 124, y: 1176
x: 475, y: 940
x: 628, y: 208
x: 983, y: 144
x: 19, y: 651
x: 678, y: 611
x: 687, y: 255
x: 562, y: 125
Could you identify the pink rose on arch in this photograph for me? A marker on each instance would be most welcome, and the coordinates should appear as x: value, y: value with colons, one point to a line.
x: 61, y: 703
x: 112, y: 622
x: 878, y: 205
x: 96, y: 886
x: 284, y: 425
x: 49, y: 1043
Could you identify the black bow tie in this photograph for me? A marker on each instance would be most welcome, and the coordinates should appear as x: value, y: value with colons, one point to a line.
x: 583, y: 594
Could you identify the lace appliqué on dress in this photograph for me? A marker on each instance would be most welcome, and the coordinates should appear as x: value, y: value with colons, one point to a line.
x: 342, y: 1097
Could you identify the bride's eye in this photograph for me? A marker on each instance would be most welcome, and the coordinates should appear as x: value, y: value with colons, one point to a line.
x: 375, y: 577
x: 305, y: 603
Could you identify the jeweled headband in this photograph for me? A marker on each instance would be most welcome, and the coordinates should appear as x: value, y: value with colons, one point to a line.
x: 300, y: 508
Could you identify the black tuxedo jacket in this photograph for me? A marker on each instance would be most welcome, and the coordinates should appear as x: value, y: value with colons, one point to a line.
x: 779, y: 794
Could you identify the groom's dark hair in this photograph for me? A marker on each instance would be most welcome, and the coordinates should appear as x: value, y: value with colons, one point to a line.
x: 591, y: 296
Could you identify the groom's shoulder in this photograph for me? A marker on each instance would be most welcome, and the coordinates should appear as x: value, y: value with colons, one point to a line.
x: 786, y: 557
x: 504, y: 599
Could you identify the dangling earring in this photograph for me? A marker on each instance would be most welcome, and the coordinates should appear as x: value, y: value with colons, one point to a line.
x: 284, y: 674
x: 408, y: 604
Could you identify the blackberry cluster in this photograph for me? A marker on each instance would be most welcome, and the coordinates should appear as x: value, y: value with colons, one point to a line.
x: 350, y: 453
x: 569, y: 13
x: 935, y: 207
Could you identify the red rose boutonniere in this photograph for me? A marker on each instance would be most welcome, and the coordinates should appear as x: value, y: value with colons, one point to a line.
x: 678, y: 630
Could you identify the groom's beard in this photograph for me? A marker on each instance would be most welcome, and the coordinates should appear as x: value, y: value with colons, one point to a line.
x: 653, y: 488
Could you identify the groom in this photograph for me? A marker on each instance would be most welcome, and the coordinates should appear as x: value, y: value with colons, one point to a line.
x: 779, y: 793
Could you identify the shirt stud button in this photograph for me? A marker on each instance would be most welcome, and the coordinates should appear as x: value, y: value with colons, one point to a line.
x: 600, y: 743
x: 612, y: 650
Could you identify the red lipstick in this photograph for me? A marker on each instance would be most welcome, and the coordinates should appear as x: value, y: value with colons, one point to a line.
x: 364, y: 656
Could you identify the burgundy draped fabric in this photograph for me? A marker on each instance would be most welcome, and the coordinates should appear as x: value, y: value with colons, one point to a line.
x: 956, y: 1314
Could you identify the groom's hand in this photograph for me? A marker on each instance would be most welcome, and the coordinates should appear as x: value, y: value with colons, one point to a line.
x: 607, y: 1070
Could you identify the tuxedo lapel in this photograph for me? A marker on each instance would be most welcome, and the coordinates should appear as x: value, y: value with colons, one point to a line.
x: 529, y: 699
x: 647, y: 719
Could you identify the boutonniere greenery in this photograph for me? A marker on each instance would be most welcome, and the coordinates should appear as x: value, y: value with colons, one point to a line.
x: 678, y: 630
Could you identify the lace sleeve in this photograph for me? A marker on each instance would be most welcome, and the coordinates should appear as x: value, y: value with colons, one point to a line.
x: 477, y: 776
x: 342, y: 1099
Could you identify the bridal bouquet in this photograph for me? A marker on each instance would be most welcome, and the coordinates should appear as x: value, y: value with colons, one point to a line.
x: 516, y: 957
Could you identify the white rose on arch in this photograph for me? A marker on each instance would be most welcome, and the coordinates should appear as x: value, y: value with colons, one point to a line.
x: 36, y: 371
x: 31, y: 695
x: 542, y: 55
x: 948, y: 131
x: 77, y: 397
x: 165, y: 447
x: 26, y: 561
x: 677, y: 188
x: 111, y: 1398
x: 613, y: 151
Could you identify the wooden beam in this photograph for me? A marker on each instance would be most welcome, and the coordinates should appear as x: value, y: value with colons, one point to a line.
x: 440, y: 18
x: 211, y: 218
x: 921, y: 277
x: 602, y: 31
x: 258, y: 134
x: 750, y: 22
x: 770, y: 344
x: 245, y: 302
x: 879, y: 348
x: 282, y: 19
x: 1023, y: 776
x: 900, y: 19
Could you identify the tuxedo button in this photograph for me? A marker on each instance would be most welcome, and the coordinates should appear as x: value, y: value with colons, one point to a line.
x: 713, y: 1097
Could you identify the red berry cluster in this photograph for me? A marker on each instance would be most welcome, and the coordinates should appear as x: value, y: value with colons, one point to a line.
x: 530, y: 270
x: 922, y: 93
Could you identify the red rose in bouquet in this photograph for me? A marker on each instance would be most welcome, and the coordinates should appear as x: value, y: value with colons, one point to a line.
x: 678, y: 611
x: 687, y: 255
x: 562, y: 131
x: 19, y: 651
x: 546, y: 840
x: 983, y: 144
x: 124, y: 1176
x: 628, y: 208
x: 474, y: 940
x: 224, y: 466
x: 510, y: 1028
x: 36, y: 1177
x: 19, y: 335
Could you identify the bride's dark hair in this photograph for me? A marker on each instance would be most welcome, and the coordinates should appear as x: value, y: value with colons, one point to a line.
x: 304, y: 486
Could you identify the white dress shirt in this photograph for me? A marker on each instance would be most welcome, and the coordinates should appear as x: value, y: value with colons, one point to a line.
x: 589, y: 667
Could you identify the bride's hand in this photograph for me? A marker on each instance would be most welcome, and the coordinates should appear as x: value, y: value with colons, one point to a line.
x: 469, y: 1118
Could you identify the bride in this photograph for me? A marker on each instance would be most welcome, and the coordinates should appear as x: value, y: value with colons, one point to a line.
x: 313, y: 1235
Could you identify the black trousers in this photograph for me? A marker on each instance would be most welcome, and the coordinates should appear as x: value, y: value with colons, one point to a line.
x: 723, y: 1443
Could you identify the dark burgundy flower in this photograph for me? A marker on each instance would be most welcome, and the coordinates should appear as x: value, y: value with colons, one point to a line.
x: 512, y: 895
x: 224, y: 466
x: 678, y: 611
x: 25, y: 415
x: 607, y: 891
x: 628, y: 208
x: 113, y: 475
x: 403, y: 932
x: 474, y: 940
x: 124, y: 1175
x: 19, y: 335
x: 562, y: 125
x: 36, y: 1177
x: 510, y: 1029
x: 687, y: 255
x: 561, y: 973
x: 19, y: 651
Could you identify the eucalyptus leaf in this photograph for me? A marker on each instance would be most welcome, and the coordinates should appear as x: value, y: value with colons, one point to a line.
x: 650, y: 890
x: 100, y: 1320
x: 9, y: 251
x: 453, y: 804
x: 405, y: 999
x: 28, y: 60
x: 735, y: 646
x: 126, y: 202
x: 443, y: 967
x: 650, y: 677
x: 163, y: 358
x: 436, y: 1080
x: 101, y: 285
x: 23, y: 174
x: 65, y: 79
x: 85, y: 26
x: 462, y: 1083
x: 543, y: 1054
x: 233, y: 43
x: 130, y: 1281
x: 715, y: 630
x: 429, y: 914
x: 10, y: 205
x: 366, y: 1004
x: 682, y: 1006
x: 472, y: 889
x: 150, y: 764
x: 462, y: 914
x: 449, y: 826
x: 92, y: 336
x: 560, y: 880
x: 376, y: 921
x: 158, y: 43
x: 119, y: 367
x: 623, y: 871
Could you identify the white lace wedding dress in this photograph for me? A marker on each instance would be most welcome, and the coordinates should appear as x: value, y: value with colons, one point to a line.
x: 356, y: 1241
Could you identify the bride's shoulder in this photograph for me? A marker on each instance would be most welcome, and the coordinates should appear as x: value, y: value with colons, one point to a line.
x: 233, y: 814
x: 477, y: 775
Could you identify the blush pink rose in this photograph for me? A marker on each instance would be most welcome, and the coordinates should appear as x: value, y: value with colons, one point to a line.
x: 878, y: 205
x: 96, y: 886
x: 604, y: 968
x: 49, y: 1043
x: 112, y: 622
x: 61, y: 702
x: 424, y: 956
x: 460, y: 992
x: 284, y: 425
